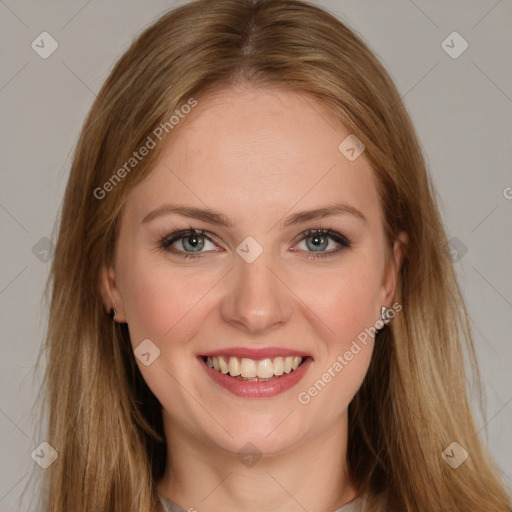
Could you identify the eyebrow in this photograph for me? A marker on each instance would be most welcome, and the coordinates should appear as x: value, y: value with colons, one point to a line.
x: 217, y: 218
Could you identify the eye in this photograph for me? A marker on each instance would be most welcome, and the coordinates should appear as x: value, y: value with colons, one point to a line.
x: 318, y: 240
x: 193, y: 240
x: 187, y: 242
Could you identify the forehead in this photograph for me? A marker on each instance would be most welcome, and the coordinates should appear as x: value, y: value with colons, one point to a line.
x: 257, y: 153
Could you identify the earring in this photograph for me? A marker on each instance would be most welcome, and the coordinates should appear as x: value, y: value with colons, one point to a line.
x: 112, y: 314
x: 386, y: 314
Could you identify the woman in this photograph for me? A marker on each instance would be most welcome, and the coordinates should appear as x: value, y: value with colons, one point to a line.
x: 249, y: 202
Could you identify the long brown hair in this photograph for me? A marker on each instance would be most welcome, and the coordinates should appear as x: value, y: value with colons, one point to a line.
x: 103, y: 420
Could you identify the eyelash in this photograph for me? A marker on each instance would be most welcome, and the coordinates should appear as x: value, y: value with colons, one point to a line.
x: 167, y: 241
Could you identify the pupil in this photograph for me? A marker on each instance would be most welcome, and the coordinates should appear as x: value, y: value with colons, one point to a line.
x: 194, y: 241
x: 318, y: 241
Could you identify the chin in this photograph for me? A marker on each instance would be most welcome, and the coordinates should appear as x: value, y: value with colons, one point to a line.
x: 250, y: 437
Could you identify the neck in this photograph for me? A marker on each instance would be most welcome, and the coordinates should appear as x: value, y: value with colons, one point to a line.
x: 311, y: 475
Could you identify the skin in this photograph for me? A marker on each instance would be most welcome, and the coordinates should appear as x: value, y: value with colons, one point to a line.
x: 257, y: 156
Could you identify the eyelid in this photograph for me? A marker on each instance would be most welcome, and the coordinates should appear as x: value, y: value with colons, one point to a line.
x: 338, y: 238
x: 328, y: 232
x: 183, y: 233
x: 166, y: 242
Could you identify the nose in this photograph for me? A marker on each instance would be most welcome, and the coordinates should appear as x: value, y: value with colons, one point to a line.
x: 257, y: 298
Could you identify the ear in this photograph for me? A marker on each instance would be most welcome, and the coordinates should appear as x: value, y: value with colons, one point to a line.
x: 110, y: 292
x: 390, y: 276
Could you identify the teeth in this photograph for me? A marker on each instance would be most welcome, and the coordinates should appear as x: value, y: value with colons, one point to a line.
x: 224, y: 368
x: 234, y: 366
x: 278, y: 366
x: 248, y: 368
x: 265, y: 369
x: 253, y: 369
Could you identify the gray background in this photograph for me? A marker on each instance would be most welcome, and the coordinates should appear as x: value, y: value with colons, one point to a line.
x: 462, y: 109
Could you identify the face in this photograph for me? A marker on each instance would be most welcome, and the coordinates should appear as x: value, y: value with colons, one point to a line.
x: 263, y: 290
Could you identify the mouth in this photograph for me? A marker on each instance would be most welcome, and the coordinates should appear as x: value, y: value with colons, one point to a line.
x: 261, y: 377
x: 254, y: 370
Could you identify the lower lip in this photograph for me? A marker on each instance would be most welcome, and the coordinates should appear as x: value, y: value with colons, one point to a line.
x: 255, y: 389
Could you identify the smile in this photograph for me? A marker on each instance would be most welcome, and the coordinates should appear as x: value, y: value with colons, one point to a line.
x: 254, y: 370
x: 261, y: 377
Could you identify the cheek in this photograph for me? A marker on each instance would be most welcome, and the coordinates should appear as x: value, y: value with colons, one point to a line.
x: 346, y: 301
x: 351, y: 303
x: 162, y: 301
x: 166, y: 305
x: 345, y: 298
x: 346, y: 352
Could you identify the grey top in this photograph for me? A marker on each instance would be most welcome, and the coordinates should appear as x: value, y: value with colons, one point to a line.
x: 170, y: 506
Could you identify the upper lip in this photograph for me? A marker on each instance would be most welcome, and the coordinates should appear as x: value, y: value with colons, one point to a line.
x: 256, y: 353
